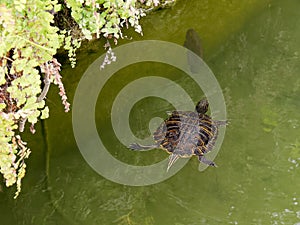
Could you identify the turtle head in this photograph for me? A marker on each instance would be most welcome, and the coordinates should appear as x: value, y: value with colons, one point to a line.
x: 202, y: 106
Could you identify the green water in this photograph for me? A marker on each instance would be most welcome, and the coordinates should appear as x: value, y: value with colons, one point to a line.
x: 253, y: 49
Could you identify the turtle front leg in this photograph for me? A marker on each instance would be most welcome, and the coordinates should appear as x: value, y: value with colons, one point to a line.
x: 221, y: 122
x: 206, y: 161
x: 139, y: 147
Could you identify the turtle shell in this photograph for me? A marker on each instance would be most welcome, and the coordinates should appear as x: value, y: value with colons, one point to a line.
x: 186, y: 133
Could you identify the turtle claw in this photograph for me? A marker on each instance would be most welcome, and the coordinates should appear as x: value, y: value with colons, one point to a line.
x: 139, y: 147
x: 172, y: 159
x: 135, y: 146
x: 222, y: 122
x: 213, y: 164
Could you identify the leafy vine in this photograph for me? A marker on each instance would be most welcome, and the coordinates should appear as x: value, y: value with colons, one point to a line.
x: 31, y: 33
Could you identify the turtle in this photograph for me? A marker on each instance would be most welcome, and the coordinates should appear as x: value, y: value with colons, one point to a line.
x: 186, y: 133
x: 193, y: 43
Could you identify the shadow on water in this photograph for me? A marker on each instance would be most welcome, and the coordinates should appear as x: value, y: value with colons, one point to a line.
x: 258, y: 178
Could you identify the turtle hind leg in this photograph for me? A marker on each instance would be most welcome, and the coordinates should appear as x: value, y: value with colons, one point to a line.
x: 139, y: 147
x: 206, y: 161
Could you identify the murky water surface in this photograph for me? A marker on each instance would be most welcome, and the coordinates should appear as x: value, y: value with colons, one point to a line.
x: 253, y: 49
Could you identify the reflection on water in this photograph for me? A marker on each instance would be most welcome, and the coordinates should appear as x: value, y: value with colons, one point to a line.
x: 258, y: 178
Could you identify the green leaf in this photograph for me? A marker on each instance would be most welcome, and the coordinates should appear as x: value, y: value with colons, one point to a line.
x: 2, y: 105
x: 45, y: 113
x: 106, y: 4
x: 2, y: 76
x: 57, y: 7
x: 32, y: 118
